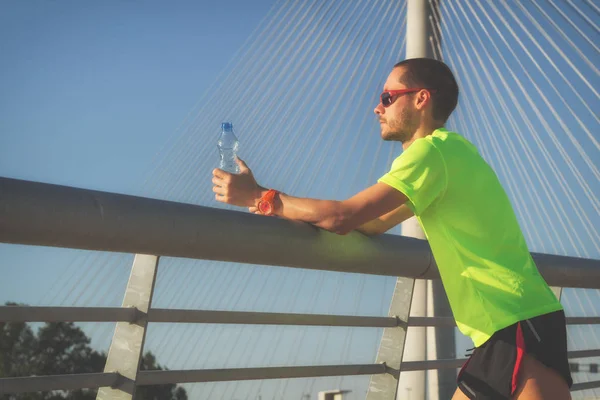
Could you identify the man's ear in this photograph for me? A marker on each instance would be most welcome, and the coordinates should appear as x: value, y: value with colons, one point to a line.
x: 423, y: 98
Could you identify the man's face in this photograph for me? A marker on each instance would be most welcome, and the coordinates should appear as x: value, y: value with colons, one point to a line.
x: 399, y: 121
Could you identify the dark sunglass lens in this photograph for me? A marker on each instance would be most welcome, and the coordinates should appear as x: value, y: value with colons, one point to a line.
x: 386, y: 99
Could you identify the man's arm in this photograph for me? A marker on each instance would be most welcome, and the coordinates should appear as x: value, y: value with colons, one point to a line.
x: 336, y: 216
x: 345, y: 216
x: 387, y: 221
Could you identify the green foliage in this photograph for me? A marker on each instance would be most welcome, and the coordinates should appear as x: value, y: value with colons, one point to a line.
x: 61, y: 348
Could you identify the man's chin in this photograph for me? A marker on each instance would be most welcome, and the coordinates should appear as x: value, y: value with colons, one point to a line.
x: 394, y: 136
x: 387, y: 136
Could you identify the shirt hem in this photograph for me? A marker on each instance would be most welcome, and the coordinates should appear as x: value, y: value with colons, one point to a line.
x: 521, y: 317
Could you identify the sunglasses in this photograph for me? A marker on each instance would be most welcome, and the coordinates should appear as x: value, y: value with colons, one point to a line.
x: 388, y: 97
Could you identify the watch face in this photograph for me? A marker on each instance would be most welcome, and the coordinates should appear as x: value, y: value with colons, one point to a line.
x: 265, y: 207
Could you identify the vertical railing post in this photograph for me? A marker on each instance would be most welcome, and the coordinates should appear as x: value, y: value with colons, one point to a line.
x: 417, y: 46
x: 127, y: 346
x: 423, y: 35
x: 391, y: 348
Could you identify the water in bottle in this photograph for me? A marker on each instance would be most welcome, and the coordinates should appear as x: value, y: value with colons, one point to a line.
x: 228, y: 145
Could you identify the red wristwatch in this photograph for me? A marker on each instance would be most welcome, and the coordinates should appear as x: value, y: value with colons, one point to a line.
x: 266, y: 205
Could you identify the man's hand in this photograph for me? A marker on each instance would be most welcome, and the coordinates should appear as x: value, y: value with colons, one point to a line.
x: 236, y: 189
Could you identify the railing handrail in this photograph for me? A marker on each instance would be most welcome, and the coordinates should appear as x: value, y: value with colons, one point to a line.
x: 51, y: 215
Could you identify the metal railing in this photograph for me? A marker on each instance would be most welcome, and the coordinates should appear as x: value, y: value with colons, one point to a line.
x: 51, y: 215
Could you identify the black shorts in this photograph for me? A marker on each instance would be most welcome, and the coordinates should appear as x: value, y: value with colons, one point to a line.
x: 491, y: 371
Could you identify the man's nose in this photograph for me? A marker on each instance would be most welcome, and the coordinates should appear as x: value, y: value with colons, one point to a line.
x: 379, y: 109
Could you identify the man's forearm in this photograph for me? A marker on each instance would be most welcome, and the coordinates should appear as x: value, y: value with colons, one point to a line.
x: 373, y: 227
x: 340, y: 217
x: 326, y: 214
x: 386, y: 222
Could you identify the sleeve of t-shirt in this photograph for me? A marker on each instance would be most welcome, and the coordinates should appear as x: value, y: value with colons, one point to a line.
x: 420, y: 173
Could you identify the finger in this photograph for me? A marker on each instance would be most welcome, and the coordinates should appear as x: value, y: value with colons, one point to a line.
x: 219, y: 190
x: 220, y: 197
x: 219, y: 173
x: 222, y: 181
x: 242, y: 164
x: 218, y: 181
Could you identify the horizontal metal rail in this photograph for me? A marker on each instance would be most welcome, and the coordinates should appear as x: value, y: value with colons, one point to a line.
x: 432, y: 364
x: 118, y: 314
x: 68, y: 314
x: 583, y: 320
x: 60, y: 382
x: 585, y: 385
x: 146, y: 378
x: 51, y: 215
x: 258, y: 318
x: 583, y: 353
x: 243, y: 374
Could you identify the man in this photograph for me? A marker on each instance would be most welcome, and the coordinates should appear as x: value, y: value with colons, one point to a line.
x: 497, y: 295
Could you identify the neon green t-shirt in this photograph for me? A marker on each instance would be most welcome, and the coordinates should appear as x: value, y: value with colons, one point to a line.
x: 486, y: 268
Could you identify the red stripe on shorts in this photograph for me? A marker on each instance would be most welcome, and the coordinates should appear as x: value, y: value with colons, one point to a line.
x: 520, y: 353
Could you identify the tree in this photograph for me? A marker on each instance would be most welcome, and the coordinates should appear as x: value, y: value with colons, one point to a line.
x: 17, y: 348
x: 158, y: 392
x: 63, y: 348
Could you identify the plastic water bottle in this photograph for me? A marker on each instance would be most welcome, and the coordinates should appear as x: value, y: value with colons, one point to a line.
x: 228, y: 145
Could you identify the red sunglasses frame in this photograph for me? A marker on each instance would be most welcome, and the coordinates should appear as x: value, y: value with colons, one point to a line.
x: 393, y: 93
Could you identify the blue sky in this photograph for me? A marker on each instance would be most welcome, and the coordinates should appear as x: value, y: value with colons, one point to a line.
x: 97, y: 95
x: 92, y: 90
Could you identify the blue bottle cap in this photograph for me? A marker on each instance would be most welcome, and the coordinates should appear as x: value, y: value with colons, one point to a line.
x: 226, y: 126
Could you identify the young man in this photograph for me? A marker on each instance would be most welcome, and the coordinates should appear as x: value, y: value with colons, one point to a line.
x: 497, y: 295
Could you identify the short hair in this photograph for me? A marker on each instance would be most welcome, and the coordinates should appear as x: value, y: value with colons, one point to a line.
x: 432, y: 74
